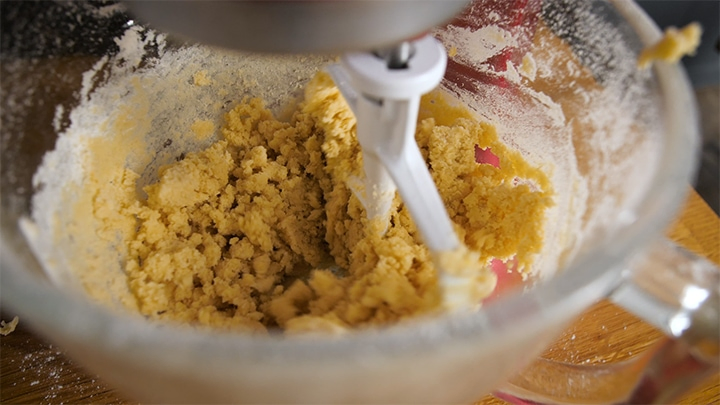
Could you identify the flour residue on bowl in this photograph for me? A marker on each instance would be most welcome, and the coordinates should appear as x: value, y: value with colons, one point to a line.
x: 477, y: 46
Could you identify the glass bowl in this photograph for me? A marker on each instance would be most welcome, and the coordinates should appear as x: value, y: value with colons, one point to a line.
x: 617, y: 141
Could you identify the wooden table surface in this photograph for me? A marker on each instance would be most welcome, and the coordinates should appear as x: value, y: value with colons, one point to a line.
x: 35, y: 372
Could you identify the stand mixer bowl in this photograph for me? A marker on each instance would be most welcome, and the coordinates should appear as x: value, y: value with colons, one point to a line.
x: 627, y: 197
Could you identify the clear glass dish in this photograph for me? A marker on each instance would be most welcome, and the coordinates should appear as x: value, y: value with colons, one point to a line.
x: 630, y: 170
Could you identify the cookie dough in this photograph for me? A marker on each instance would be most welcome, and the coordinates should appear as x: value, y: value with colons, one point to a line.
x: 260, y: 230
x: 7, y: 328
x: 674, y: 44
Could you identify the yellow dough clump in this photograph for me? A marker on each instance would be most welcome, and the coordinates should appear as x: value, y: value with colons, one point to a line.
x: 9, y: 327
x: 260, y: 230
x: 674, y: 44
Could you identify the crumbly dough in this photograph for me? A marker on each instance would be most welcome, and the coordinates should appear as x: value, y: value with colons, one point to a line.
x: 9, y: 327
x: 260, y: 230
x: 674, y: 44
x: 202, y: 129
x: 201, y: 78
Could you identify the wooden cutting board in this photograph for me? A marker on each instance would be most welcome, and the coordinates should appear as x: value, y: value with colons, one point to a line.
x: 35, y: 372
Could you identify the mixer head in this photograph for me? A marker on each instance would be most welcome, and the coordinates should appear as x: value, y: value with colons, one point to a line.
x: 298, y: 26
